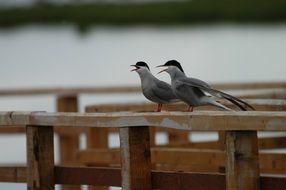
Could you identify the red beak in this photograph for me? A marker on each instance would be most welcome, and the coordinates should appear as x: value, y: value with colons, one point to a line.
x: 135, y: 69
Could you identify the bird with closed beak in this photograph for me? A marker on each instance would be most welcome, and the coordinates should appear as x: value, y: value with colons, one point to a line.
x: 154, y: 89
x: 195, y: 92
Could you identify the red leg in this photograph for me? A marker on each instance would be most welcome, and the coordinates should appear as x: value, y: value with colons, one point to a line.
x: 159, y: 108
x: 190, y: 109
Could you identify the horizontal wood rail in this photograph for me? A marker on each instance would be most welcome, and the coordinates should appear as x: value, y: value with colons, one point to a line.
x: 258, y: 104
x: 112, y: 177
x: 67, y: 125
x: 130, y: 89
x: 185, y: 159
x: 194, y: 121
x: 240, y: 157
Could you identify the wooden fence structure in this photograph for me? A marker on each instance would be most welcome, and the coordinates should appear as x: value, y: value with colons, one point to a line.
x: 242, y: 165
x: 172, y: 157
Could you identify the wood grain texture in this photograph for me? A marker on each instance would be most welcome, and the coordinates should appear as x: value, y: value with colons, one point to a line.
x: 40, y: 158
x: 195, y: 121
x: 185, y: 159
x: 97, y: 138
x: 13, y: 174
x: 242, y: 161
x: 128, y: 89
x: 68, y: 142
x: 258, y: 104
x: 160, y: 179
x: 135, y: 158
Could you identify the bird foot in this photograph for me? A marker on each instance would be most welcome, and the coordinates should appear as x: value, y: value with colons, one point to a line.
x: 190, y: 109
x: 158, y: 108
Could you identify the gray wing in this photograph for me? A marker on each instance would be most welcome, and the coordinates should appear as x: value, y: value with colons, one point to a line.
x: 205, y: 87
x: 164, y: 91
x: 195, y: 82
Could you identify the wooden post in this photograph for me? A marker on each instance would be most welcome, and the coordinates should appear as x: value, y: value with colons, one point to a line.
x: 97, y: 138
x: 242, y: 162
x: 40, y: 158
x: 135, y: 158
x: 69, y: 144
x: 221, y: 140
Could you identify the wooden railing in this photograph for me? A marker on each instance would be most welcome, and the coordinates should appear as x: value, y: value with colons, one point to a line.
x: 241, y: 152
x: 132, y: 89
x: 67, y: 101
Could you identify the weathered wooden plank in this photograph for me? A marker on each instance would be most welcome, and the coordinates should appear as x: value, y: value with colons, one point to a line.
x: 185, y: 159
x: 88, y: 176
x: 250, y: 85
x: 68, y: 143
x: 162, y: 180
x: 97, y: 138
x: 273, y: 182
x: 135, y: 158
x: 196, y: 121
x: 112, y: 177
x: 13, y: 174
x: 242, y: 162
x: 61, y: 130
x: 263, y: 143
x: 258, y: 104
x: 187, y: 181
x: 264, y: 94
x: 12, y: 130
x: 129, y: 89
x: 40, y: 158
x: 272, y: 142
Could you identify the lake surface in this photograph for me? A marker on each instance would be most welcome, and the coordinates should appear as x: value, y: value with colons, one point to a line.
x: 60, y: 56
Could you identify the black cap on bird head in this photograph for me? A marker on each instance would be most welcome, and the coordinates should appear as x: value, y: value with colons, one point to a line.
x: 174, y: 63
x: 142, y: 64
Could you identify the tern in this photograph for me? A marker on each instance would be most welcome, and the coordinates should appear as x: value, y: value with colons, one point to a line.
x: 154, y: 89
x: 194, y: 92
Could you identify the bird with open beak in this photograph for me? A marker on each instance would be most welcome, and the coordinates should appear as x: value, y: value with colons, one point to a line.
x: 154, y: 89
x: 194, y: 92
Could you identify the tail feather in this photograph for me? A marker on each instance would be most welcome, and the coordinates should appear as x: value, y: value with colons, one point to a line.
x: 215, y: 103
x: 237, y: 101
x: 232, y: 99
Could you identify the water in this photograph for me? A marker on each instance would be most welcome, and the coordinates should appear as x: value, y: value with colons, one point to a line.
x: 59, y: 56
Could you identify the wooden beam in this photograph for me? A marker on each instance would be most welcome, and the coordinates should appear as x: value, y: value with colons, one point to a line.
x: 97, y: 138
x: 187, y: 181
x: 258, y: 104
x: 135, y: 158
x: 88, y: 176
x: 128, y: 89
x: 185, y: 159
x: 40, y: 158
x: 242, y: 162
x: 13, y: 174
x: 68, y: 142
x: 250, y: 85
x: 160, y: 179
x: 194, y: 121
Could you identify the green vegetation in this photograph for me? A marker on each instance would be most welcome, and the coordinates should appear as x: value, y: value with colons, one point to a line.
x: 196, y: 11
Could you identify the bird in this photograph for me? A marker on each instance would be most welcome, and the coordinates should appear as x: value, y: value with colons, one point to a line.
x: 196, y: 92
x: 154, y: 89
